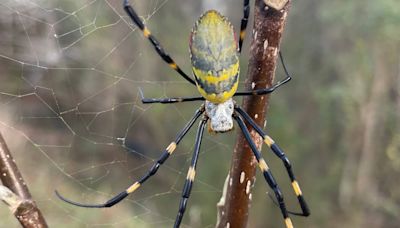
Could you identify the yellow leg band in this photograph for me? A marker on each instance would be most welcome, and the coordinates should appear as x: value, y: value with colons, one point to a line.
x: 133, y: 187
x: 268, y: 140
x: 263, y: 165
x: 171, y: 147
x: 173, y: 65
x: 146, y: 32
x: 242, y: 34
x: 191, y: 174
x: 296, y: 188
x: 289, y: 223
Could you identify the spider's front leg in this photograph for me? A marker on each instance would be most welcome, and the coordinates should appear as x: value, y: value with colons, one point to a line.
x: 157, y: 45
x: 243, y: 23
x: 168, y: 100
x: 273, y: 87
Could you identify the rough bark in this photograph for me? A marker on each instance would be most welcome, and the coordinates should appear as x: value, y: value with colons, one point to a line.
x: 20, y: 202
x: 266, y: 37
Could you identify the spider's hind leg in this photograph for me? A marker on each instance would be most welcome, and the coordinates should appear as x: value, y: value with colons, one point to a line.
x: 269, y: 178
x: 152, y: 171
x: 187, y: 189
x: 281, y: 155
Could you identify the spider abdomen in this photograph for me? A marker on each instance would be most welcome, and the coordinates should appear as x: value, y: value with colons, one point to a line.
x: 214, y: 56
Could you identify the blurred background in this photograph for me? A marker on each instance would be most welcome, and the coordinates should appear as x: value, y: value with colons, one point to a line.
x: 70, y: 73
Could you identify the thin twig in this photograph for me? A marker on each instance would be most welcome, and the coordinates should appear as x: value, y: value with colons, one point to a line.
x: 266, y: 37
x: 16, y: 194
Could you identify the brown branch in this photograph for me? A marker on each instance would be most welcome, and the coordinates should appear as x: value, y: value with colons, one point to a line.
x: 266, y: 37
x: 18, y: 198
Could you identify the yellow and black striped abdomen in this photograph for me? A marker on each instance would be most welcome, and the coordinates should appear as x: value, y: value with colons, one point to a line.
x: 214, y: 56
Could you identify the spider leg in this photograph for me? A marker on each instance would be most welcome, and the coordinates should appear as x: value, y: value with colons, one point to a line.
x: 278, y: 152
x: 266, y: 172
x: 168, y: 100
x: 187, y: 188
x: 164, y: 156
x: 146, y: 32
x: 273, y: 87
x: 171, y: 100
x: 243, y: 23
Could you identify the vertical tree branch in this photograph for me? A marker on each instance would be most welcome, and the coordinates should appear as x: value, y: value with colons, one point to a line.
x: 266, y: 37
x: 21, y: 204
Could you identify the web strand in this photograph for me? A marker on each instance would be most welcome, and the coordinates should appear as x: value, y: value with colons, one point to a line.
x: 70, y: 107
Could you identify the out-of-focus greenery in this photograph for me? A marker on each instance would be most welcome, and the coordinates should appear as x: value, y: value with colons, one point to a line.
x: 70, y: 73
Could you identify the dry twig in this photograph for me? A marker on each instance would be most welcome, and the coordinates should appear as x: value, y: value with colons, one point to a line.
x: 266, y: 37
x: 15, y: 193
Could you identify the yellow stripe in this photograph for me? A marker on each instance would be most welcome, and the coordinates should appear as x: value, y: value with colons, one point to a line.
x: 170, y: 149
x: 268, y: 140
x: 288, y: 223
x: 263, y: 165
x: 133, y: 187
x: 218, y: 98
x: 191, y: 174
x: 209, y: 78
x: 296, y: 188
x: 146, y: 32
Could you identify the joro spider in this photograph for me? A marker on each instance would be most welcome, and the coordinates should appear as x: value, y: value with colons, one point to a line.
x: 214, y: 54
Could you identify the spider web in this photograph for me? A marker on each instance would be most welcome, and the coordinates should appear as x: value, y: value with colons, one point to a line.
x: 71, y: 72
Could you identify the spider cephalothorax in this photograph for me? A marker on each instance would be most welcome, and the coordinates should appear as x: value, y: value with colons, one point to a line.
x: 215, y: 65
x: 220, y: 115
